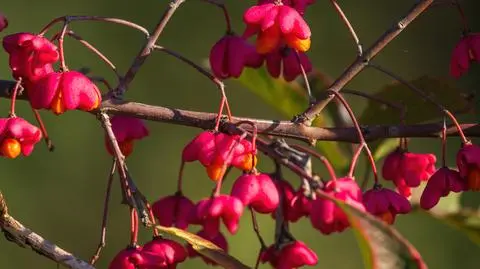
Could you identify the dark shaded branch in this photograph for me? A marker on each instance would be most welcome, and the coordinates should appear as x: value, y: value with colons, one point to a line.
x: 205, y: 120
x: 283, y: 128
x: 362, y: 61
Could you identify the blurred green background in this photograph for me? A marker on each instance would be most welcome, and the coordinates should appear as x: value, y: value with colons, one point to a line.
x: 60, y: 195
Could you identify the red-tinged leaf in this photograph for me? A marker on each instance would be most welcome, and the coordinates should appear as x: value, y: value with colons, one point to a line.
x: 382, y: 246
x: 451, y: 212
x: 204, y: 247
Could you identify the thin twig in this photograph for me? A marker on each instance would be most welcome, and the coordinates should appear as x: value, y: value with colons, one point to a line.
x: 311, y: 98
x: 16, y: 232
x: 131, y: 193
x: 360, y: 134
x: 349, y: 26
x: 256, y: 229
x: 43, y: 129
x: 320, y: 157
x: 95, y: 18
x: 375, y: 99
x: 287, y: 129
x: 360, y: 63
x: 204, y: 72
x: 94, y: 50
x: 103, y: 232
x: 147, y: 48
x: 355, y: 158
x: 225, y: 12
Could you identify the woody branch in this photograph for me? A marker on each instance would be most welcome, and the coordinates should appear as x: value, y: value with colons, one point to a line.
x: 281, y: 128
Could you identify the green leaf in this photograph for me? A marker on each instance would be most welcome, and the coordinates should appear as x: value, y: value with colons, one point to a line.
x: 204, y: 247
x: 290, y: 99
x: 382, y: 246
x: 418, y: 110
x: 466, y: 220
x: 450, y: 211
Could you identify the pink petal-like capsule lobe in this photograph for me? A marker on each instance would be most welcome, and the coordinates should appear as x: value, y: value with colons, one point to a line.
x: 219, y: 240
x: 200, y: 215
x: 209, y: 211
x: 402, y: 188
x: 295, y: 204
x: 274, y: 61
x: 417, y: 167
x: 267, y: 199
x: 392, y: 165
x: 229, y: 209
x: 465, y: 51
x: 460, y: 59
x: 3, y: 22
x: 203, y: 144
x: 230, y: 55
x: 31, y: 55
x: 79, y: 92
x: 173, y: 210
x: 385, y: 203
x: 326, y: 216
x: 299, y: 5
x: 291, y: 65
x: 42, y: 93
x: 246, y: 188
x: 301, y: 206
x: 256, y: 14
x: 412, y: 168
x: 440, y: 184
x: 468, y: 156
x: 65, y: 91
x: 297, y: 255
x: 218, y: 58
x: 128, y: 258
x: 347, y: 185
x: 26, y: 134
x: 245, y: 159
x: 291, y: 22
x: 227, y: 147
x: 284, y: 58
x: 162, y: 253
x: 270, y: 19
x: 128, y: 128
x: 290, y: 256
x: 276, y: 24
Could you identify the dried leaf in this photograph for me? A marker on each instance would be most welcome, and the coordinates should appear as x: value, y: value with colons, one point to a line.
x: 382, y: 246
x: 204, y: 247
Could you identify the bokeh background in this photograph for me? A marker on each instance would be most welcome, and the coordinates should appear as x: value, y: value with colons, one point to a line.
x: 60, y: 195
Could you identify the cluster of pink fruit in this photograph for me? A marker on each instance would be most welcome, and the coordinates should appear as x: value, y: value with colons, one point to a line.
x: 282, y: 38
x: 264, y: 193
x: 31, y: 59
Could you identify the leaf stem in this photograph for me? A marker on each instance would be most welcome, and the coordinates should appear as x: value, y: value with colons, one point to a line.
x: 147, y: 48
x: 103, y: 230
x: 363, y: 143
x: 349, y: 26
x: 225, y: 12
